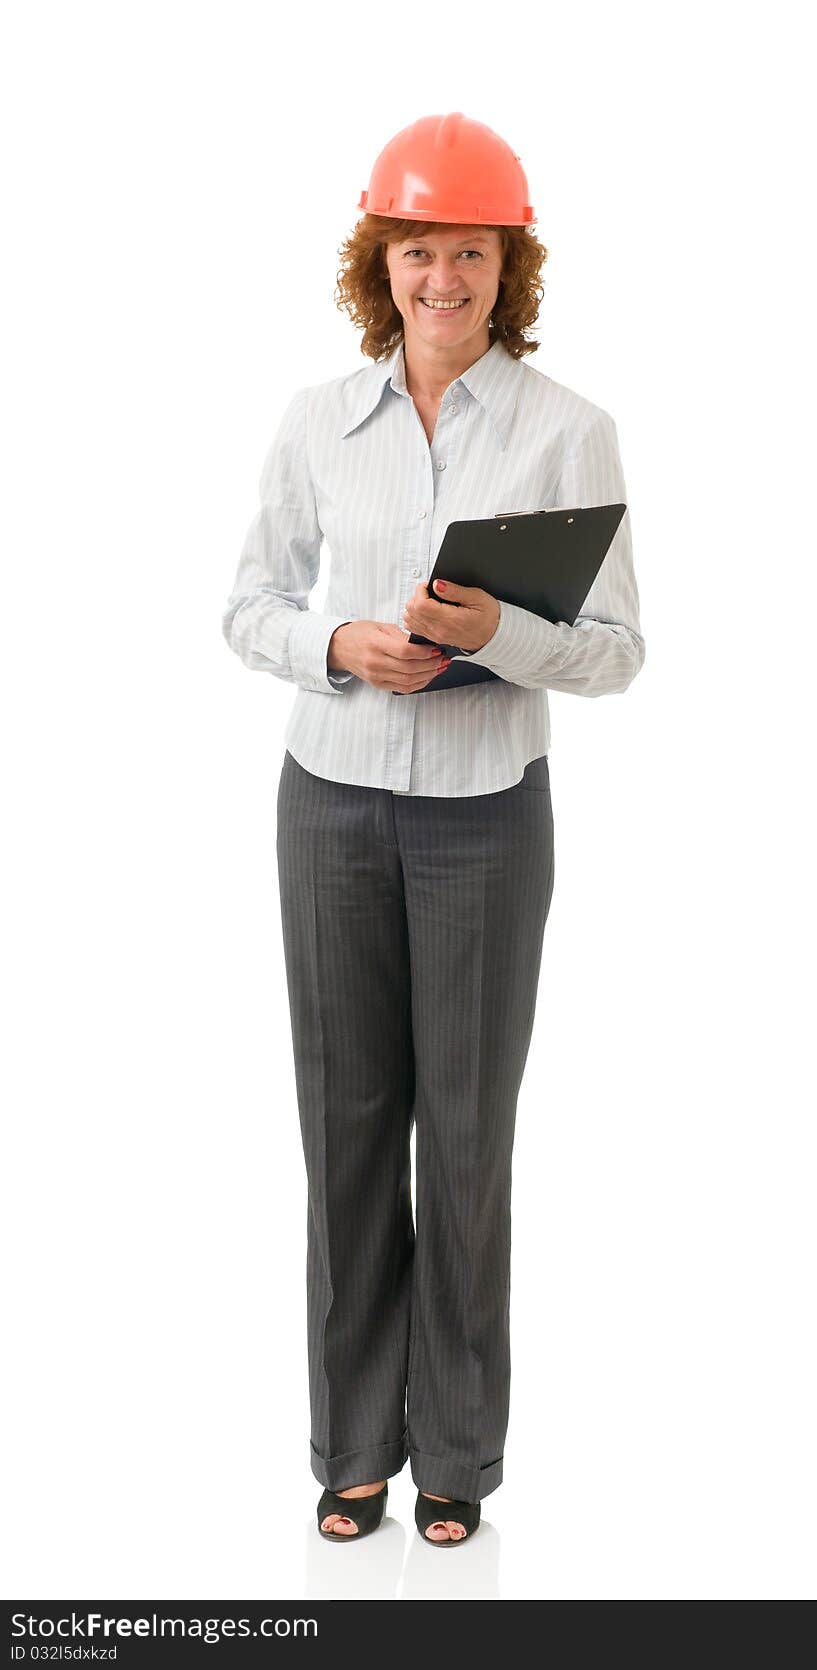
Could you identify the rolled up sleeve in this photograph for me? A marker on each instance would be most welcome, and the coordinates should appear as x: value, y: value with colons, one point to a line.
x: 601, y: 653
x: 267, y: 620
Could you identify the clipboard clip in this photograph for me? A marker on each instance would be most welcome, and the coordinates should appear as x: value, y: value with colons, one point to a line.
x: 505, y: 515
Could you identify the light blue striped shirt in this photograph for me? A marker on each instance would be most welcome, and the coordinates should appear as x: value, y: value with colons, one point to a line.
x: 351, y: 464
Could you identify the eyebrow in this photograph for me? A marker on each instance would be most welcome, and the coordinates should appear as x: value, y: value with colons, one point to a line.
x: 467, y: 237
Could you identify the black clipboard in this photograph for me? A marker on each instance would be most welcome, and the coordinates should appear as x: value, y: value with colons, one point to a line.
x: 542, y: 560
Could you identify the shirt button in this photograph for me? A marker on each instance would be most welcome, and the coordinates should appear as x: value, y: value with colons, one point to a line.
x: 415, y: 572
x: 440, y: 464
x: 423, y: 513
x: 452, y: 407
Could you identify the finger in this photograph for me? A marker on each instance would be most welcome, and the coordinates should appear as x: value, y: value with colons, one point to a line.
x: 402, y: 648
x: 433, y: 633
x: 443, y: 668
x: 414, y: 680
x: 417, y: 682
x: 397, y: 642
x: 420, y: 655
x: 449, y: 592
x: 431, y: 615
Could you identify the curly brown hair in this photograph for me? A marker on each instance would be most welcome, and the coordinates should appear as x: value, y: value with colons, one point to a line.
x: 364, y: 290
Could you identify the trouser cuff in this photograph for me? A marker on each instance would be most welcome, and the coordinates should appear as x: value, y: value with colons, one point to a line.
x: 376, y: 1461
x: 452, y: 1478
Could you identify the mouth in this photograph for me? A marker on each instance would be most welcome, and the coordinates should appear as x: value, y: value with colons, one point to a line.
x: 461, y: 302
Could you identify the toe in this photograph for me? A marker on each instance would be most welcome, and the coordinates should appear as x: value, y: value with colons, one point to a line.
x: 455, y: 1530
x: 340, y: 1523
x: 438, y: 1532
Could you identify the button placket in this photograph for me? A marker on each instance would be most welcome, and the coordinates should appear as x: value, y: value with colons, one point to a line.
x: 417, y: 561
x: 439, y: 465
x: 402, y: 711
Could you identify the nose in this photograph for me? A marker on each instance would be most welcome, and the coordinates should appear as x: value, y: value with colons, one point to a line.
x: 444, y: 280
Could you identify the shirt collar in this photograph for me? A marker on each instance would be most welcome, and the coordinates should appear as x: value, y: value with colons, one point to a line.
x: 493, y: 381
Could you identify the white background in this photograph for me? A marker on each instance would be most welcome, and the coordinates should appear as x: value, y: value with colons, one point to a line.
x: 179, y: 179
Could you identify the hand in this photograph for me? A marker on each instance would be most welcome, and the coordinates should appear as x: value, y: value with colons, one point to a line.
x: 382, y: 655
x: 468, y: 626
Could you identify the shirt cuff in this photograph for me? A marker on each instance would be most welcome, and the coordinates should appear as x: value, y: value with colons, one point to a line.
x: 308, y: 646
x: 521, y: 643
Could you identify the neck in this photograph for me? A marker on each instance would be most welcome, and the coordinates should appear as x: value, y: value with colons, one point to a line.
x: 431, y: 370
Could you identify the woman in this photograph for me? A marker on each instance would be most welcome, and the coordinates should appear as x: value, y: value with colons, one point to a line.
x: 415, y: 832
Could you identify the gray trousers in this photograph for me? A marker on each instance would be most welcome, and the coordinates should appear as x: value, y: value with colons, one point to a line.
x: 412, y: 929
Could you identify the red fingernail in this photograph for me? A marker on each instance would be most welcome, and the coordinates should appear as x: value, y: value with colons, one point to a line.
x: 440, y: 584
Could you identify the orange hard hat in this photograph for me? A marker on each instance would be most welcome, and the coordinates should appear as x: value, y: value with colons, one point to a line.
x: 449, y: 168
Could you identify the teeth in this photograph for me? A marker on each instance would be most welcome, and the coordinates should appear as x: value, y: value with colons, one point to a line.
x: 460, y: 303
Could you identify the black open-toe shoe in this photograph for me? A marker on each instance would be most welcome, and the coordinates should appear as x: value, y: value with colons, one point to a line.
x: 427, y: 1513
x: 366, y: 1511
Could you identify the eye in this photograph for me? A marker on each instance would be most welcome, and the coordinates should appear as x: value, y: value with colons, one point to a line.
x: 477, y: 252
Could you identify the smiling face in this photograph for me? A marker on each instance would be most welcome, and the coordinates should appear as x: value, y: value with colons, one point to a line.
x: 456, y: 263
